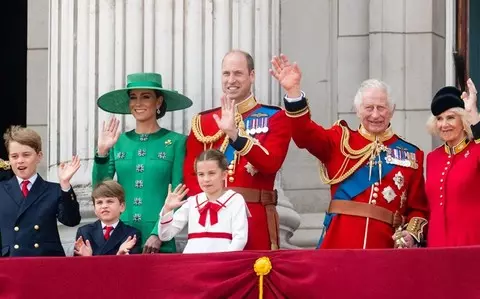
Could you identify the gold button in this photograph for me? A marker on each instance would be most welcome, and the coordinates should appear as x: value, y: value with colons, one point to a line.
x: 375, y: 189
x: 36, y: 245
x: 230, y: 166
x: 375, y: 195
x: 231, y: 179
x: 441, y: 181
x: 16, y: 228
x: 374, y: 202
x: 16, y: 246
x: 448, y: 162
x: 230, y: 172
x: 376, y: 184
x: 441, y: 188
x: 36, y: 227
x: 443, y: 173
x: 441, y: 195
x: 441, y: 203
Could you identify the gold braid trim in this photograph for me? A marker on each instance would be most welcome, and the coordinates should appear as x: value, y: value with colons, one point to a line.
x: 415, y: 227
x: 198, y: 133
x: 5, y: 165
x: 349, y: 153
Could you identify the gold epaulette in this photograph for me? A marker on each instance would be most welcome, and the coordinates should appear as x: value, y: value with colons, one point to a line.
x: 477, y: 141
x: 415, y: 227
x: 414, y: 145
x: 5, y: 165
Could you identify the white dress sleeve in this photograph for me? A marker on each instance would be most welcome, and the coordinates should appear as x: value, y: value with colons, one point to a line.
x: 172, y: 223
x: 239, y: 223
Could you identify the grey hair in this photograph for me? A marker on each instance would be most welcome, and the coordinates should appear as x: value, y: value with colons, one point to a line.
x: 373, y: 83
x: 432, y: 123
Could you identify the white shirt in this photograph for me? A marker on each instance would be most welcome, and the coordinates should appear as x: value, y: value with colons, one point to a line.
x: 32, y: 180
x: 232, y: 221
x: 114, y: 226
x: 293, y: 100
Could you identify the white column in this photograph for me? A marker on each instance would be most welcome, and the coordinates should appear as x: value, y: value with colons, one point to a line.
x: 94, y: 44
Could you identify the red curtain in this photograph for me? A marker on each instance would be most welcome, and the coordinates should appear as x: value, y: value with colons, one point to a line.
x: 416, y: 273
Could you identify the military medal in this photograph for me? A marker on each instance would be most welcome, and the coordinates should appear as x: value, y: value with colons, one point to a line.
x: 265, y: 126
x: 258, y: 129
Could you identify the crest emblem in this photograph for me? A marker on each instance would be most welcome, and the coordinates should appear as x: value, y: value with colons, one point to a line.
x: 389, y: 194
x: 399, y: 180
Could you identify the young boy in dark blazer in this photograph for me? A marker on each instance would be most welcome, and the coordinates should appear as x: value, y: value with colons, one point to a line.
x: 31, y: 206
x: 108, y: 235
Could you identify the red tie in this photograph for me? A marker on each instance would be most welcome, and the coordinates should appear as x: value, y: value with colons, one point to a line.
x: 108, y: 230
x: 24, y: 188
x: 213, y: 208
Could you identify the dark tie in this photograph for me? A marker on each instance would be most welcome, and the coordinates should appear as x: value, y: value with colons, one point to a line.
x: 108, y: 230
x: 24, y: 188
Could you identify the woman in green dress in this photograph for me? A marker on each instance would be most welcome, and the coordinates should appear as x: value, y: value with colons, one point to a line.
x: 146, y: 159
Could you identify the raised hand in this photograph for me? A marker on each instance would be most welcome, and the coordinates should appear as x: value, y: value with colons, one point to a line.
x: 287, y: 74
x: 82, y: 248
x: 174, y: 199
x: 109, y: 136
x: 227, y: 122
x: 127, y: 245
x: 67, y: 170
x: 470, y: 100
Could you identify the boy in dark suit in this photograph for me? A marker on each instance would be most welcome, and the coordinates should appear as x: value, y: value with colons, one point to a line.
x: 108, y: 235
x: 29, y: 205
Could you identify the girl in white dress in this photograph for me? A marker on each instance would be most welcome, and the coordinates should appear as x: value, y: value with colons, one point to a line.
x: 217, y: 217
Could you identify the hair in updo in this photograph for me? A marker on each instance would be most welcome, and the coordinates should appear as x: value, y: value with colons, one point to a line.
x: 213, y: 155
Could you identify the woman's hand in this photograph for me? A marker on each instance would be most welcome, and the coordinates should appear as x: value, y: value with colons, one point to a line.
x: 108, y: 137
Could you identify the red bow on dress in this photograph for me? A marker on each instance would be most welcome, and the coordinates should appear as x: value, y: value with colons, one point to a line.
x: 213, y: 208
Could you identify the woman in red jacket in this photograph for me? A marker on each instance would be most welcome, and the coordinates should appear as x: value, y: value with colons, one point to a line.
x: 453, y: 169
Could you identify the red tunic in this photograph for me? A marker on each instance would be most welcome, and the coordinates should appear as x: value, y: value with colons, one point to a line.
x: 453, y: 195
x: 402, y: 189
x: 256, y: 166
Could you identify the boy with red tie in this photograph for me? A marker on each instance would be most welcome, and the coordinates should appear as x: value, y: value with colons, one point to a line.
x: 108, y: 235
x: 31, y: 206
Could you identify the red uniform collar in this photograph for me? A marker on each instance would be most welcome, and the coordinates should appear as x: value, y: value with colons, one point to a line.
x: 457, y: 148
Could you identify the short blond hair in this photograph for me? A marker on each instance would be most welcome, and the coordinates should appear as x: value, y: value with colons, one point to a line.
x: 24, y: 136
x: 432, y: 122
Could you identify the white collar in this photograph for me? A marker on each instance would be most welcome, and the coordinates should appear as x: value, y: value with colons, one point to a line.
x: 114, y: 225
x: 32, y: 179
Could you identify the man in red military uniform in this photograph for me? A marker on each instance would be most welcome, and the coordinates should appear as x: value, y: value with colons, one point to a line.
x: 376, y: 178
x: 253, y: 137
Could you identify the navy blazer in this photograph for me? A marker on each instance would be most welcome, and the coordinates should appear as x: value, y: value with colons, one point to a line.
x: 28, y: 226
x: 93, y: 232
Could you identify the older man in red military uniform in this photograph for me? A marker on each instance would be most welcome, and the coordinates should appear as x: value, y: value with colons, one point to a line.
x: 253, y: 137
x: 376, y: 178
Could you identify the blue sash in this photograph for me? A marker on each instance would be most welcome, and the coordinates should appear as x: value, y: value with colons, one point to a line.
x: 262, y: 112
x: 358, y: 182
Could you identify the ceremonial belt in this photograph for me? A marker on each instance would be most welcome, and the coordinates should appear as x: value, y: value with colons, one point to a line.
x: 269, y: 200
x: 360, y: 209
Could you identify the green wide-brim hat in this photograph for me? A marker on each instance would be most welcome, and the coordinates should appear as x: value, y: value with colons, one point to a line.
x: 117, y: 101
